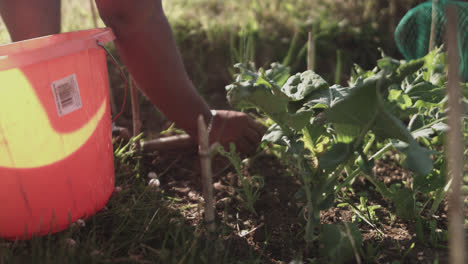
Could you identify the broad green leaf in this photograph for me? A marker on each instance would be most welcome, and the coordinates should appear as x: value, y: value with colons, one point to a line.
x: 346, y: 133
x: 408, y: 68
x: 363, y: 110
x: 336, y: 239
x: 337, y: 154
x: 431, y: 182
x: 425, y: 91
x: 357, y: 109
x: 326, y: 98
x: 388, y: 126
x: 403, y: 100
x: 247, y: 94
x: 359, y: 73
x: 274, y: 134
x: 388, y: 63
x: 417, y: 158
x: 435, y: 63
x: 313, y: 135
x: 261, y: 93
x: 294, y: 145
x: 428, y: 131
x: 405, y: 203
x: 278, y: 73
x: 302, y: 84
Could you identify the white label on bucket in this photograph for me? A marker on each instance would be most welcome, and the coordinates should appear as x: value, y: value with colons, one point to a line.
x: 66, y: 95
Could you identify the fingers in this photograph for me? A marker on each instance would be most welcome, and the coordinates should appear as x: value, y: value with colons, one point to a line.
x: 244, y: 146
x: 257, y: 126
x: 253, y: 136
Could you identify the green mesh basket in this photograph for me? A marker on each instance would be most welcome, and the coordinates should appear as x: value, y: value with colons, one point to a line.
x: 412, y: 34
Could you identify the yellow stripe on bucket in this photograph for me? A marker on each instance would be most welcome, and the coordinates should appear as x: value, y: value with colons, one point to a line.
x: 34, y: 132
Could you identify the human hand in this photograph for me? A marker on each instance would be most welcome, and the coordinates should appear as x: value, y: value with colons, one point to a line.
x: 238, y: 128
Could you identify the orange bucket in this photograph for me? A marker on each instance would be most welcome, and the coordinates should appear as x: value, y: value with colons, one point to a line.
x: 56, y: 156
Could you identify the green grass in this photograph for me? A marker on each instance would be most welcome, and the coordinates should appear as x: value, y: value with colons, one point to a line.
x: 140, y: 224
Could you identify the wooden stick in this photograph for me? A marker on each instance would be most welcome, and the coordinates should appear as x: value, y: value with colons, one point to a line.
x: 433, y: 25
x: 135, y: 110
x: 393, y: 15
x: 172, y: 143
x: 94, y: 13
x: 455, y: 144
x: 207, y: 174
x: 311, y: 52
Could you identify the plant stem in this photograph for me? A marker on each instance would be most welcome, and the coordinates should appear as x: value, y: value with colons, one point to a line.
x: 306, y: 180
x: 382, y: 189
x: 455, y: 143
x: 440, y: 196
x: 348, y: 179
x: 353, y: 243
x: 386, y: 193
x: 338, y: 67
x: 382, y: 151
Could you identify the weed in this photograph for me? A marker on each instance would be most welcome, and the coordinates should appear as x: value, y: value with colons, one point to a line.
x: 250, y: 185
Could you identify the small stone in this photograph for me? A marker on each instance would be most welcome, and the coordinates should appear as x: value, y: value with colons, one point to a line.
x: 193, y: 196
x: 181, y: 190
x: 152, y: 175
x: 246, y: 162
x: 218, y: 186
x: 296, y: 262
x: 154, y: 183
x: 243, y: 233
x: 97, y: 253
x: 70, y: 243
x: 80, y: 223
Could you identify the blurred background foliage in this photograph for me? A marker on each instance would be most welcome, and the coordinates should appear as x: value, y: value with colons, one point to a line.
x: 212, y: 35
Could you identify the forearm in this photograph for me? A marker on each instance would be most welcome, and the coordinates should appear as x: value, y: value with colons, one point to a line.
x: 27, y: 19
x: 150, y: 53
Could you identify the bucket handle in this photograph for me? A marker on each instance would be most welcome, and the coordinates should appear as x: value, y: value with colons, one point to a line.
x: 124, y: 78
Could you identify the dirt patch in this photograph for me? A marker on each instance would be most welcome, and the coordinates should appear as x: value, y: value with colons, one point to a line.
x: 274, y: 232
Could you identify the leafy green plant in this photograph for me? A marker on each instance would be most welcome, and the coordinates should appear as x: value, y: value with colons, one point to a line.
x: 322, y: 130
x: 251, y: 186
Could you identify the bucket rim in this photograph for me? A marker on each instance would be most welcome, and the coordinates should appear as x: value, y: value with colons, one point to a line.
x: 30, y: 51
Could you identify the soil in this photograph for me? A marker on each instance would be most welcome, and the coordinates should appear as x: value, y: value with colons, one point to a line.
x: 275, y: 230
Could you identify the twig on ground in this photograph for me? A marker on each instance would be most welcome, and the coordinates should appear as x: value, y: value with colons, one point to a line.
x: 455, y: 143
x: 255, y: 228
